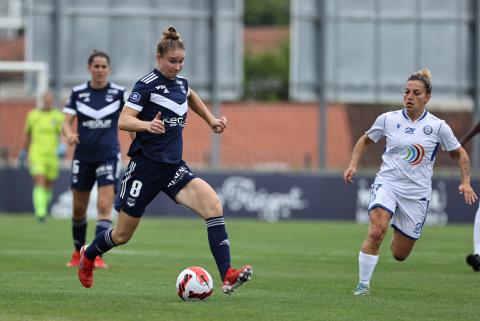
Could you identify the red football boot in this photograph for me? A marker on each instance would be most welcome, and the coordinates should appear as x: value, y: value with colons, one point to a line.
x: 85, y: 269
x: 75, y: 260
x: 100, y: 263
x: 236, y: 277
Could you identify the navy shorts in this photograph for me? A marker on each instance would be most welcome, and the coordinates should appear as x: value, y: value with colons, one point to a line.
x: 145, y: 179
x: 85, y: 174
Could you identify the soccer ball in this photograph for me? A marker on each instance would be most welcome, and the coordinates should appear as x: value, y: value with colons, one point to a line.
x: 194, y: 283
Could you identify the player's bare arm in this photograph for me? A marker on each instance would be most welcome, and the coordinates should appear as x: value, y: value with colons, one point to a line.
x: 470, y: 134
x: 464, y: 164
x: 67, y: 130
x: 128, y: 121
x: 218, y: 125
x: 27, y: 141
x: 357, y: 154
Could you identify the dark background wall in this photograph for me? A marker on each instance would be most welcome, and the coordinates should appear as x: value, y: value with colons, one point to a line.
x: 266, y: 196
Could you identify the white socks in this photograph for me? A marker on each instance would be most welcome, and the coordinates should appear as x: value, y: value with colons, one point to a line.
x: 476, y: 233
x: 366, y: 265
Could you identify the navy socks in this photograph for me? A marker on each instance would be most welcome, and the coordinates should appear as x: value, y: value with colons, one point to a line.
x: 79, y: 231
x: 102, y: 243
x: 219, y: 243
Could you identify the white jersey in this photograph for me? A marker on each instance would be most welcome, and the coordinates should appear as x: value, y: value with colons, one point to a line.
x: 410, y: 151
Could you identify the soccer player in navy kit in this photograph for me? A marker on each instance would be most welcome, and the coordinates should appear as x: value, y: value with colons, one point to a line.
x: 96, y: 105
x: 156, y: 110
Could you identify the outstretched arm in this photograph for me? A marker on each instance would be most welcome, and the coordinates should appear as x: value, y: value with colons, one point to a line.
x: 470, y: 134
x: 460, y: 155
x: 218, y: 125
x: 357, y: 154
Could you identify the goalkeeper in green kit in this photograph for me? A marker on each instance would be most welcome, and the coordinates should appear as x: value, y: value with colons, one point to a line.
x: 45, y: 150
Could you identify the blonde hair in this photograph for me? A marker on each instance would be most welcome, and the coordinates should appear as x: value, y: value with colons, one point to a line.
x: 171, y: 40
x: 424, y: 76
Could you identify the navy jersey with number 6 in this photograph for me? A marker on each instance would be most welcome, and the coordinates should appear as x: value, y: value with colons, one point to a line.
x: 97, y: 111
x: 152, y: 94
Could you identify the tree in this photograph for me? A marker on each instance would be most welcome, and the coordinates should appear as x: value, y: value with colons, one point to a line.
x: 267, y: 12
x: 266, y: 74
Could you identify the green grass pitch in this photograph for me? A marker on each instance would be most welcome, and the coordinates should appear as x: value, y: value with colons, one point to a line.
x: 303, y: 270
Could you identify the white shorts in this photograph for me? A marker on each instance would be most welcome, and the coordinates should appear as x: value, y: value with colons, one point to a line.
x: 408, y: 215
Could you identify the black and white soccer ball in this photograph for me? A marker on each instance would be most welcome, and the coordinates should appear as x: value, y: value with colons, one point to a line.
x: 194, y: 284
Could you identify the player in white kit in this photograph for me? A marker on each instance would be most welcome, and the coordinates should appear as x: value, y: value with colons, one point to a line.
x: 402, y: 188
x: 473, y: 259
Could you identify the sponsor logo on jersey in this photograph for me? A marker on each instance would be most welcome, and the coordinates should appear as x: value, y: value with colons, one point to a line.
x: 409, y: 130
x: 175, y: 121
x: 97, y: 123
x: 414, y: 154
x: 112, y: 91
x: 134, y: 97
x: 164, y: 88
x: 427, y: 130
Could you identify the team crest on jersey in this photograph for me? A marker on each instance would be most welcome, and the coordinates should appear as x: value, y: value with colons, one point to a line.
x: 134, y: 97
x: 427, y: 130
x: 182, y: 87
x: 109, y: 98
x: 414, y: 154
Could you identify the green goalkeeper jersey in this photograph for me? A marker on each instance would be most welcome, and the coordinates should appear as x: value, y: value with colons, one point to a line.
x: 44, y: 128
